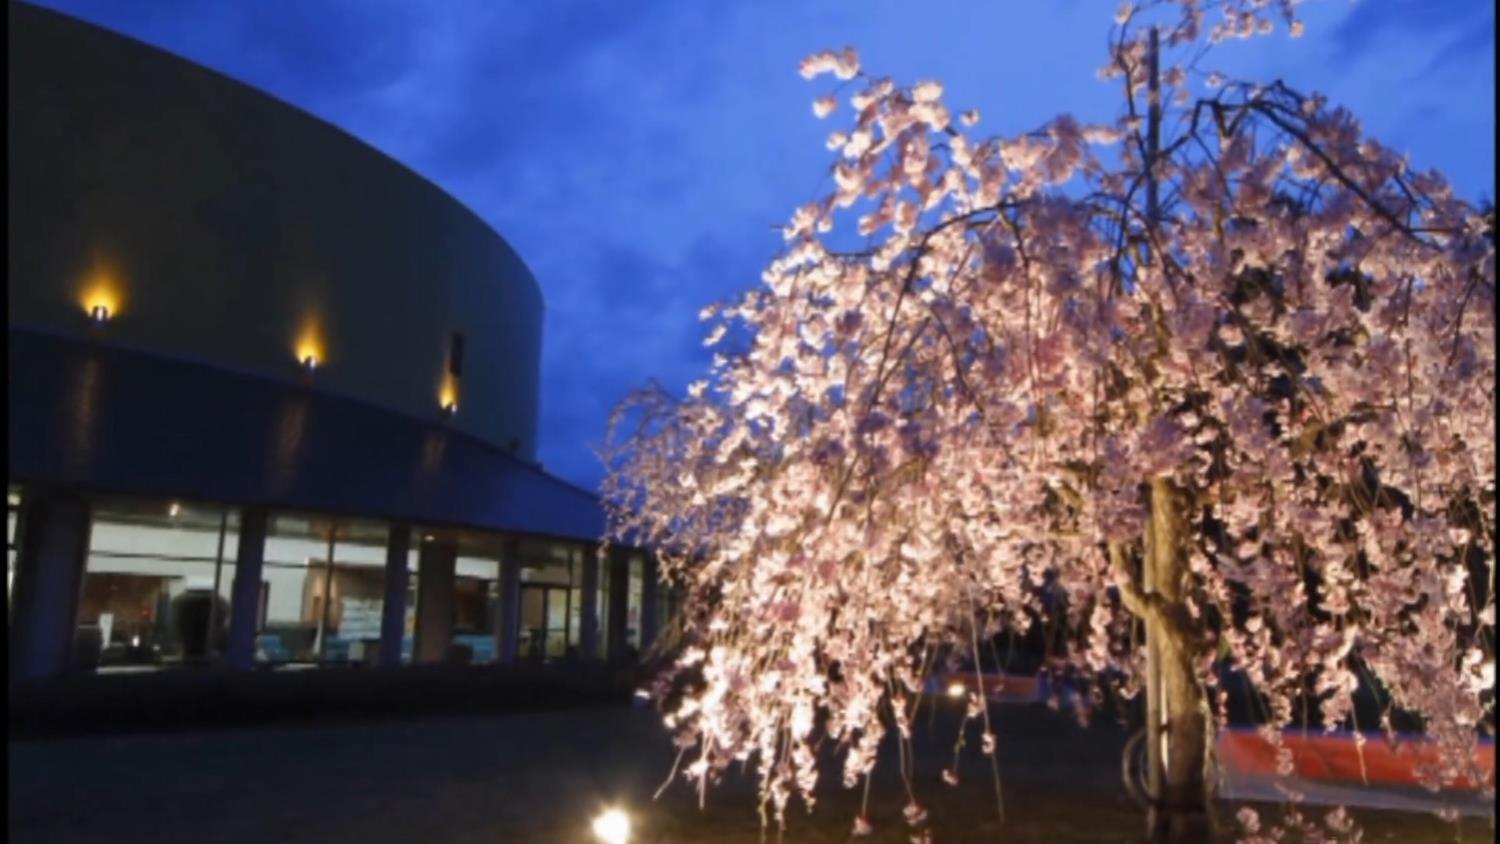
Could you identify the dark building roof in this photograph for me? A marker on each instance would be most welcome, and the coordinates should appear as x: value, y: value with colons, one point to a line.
x: 117, y: 420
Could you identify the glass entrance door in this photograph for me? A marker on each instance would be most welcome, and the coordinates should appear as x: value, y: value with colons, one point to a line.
x: 544, y: 621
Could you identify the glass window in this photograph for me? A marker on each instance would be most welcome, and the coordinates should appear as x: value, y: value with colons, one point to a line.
x: 322, y: 590
x: 664, y: 609
x: 409, y: 634
x: 155, y: 588
x: 546, y: 562
x: 358, y: 589
x: 12, y: 513
x: 476, y: 598
x: 549, y: 608
x: 603, y: 603
x: 575, y: 598
x: 633, y: 605
x: 556, y: 645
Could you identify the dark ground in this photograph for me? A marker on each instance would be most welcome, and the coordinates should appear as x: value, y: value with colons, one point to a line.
x: 540, y: 777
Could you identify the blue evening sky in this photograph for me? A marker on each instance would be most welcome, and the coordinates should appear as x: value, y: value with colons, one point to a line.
x: 638, y: 154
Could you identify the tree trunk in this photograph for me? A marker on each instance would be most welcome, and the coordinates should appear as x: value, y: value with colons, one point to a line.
x: 1176, y: 730
x: 1177, y: 737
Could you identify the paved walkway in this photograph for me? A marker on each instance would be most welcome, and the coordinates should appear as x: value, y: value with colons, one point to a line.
x: 539, y: 778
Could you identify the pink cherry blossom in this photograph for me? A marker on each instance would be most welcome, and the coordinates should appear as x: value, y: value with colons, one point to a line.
x: 1026, y: 368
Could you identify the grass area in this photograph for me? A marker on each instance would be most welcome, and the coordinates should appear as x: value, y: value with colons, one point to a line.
x: 540, y: 777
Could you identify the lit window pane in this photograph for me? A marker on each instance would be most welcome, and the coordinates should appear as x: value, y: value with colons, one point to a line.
x: 154, y: 592
x: 322, y: 599
x: 409, y: 634
x: 602, y: 604
x: 633, y: 607
x: 476, y: 602
x: 575, y: 598
x: 13, y: 508
x: 358, y: 591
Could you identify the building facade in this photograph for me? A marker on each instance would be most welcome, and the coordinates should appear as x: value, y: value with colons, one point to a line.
x: 272, y: 396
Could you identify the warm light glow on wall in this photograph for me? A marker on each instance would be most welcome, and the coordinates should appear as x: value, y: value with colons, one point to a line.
x: 310, y: 349
x: 448, y: 394
x: 101, y: 296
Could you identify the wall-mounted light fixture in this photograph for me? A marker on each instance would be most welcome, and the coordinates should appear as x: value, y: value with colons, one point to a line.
x: 448, y: 395
x: 448, y: 392
x: 100, y: 296
x: 309, y: 346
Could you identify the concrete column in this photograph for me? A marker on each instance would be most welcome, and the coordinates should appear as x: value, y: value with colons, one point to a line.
x: 619, y: 602
x: 435, y: 566
x: 650, y: 608
x: 588, y: 614
x: 244, y: 592
x: 393, y: 602
x: 53, y: 543
x: 508, y: 636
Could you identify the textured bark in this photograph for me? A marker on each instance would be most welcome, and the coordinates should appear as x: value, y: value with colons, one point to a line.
x: 1179, y: 753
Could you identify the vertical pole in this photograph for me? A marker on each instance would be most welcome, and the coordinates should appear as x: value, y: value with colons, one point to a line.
x: 244, y: 591
x: 327, y: 597
x: 393, y: 604
x: 213, y: 601
x: 1153, y: 130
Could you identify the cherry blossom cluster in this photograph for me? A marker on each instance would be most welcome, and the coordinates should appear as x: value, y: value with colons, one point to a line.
x: 977, y: 359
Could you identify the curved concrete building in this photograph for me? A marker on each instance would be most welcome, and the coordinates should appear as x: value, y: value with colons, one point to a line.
x: 230, y: 318
x: 220, y: 225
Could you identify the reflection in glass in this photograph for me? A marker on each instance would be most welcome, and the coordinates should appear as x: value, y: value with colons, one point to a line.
x: 12, y: 513
x: 633, y: 604
x: 322, y: 590
x: 544, y: 621
x: 556, y: 643
x: 155, y: 588
x: 476, y: 604
x: 575, y: 598
x: 552, y: 599
x: 409, y: 627
x: 605, y: 572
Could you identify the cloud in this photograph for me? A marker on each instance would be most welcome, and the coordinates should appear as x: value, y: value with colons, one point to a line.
x: 1366, y: 26
x: 637, y: 155
x: 1435, y: 37
x: 627, y: 317
x: 1474, y: 41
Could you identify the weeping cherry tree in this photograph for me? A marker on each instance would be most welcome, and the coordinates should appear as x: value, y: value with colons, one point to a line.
x: 1222, y: 369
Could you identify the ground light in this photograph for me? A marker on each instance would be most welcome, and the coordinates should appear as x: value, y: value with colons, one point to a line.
x: 612, y: 826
